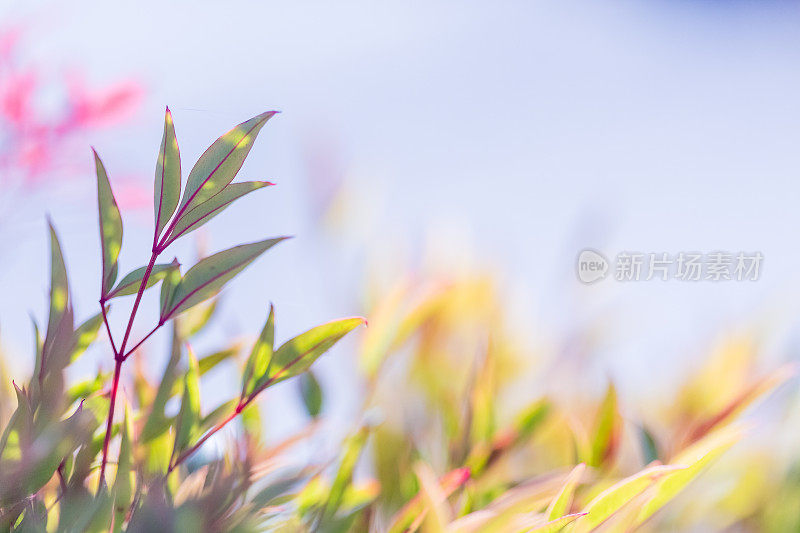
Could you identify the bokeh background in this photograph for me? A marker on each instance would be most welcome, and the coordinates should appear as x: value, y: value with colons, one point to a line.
x: 435, y: 138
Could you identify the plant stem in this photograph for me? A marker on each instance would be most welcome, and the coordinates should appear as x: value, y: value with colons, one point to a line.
x: 108, y: 327
x: 182, y: 457
x: 243, y: 403
x: 118, y: 360
x: 128, y: 354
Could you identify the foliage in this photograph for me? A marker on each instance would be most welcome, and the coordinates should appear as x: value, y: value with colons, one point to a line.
x: 446, y: 451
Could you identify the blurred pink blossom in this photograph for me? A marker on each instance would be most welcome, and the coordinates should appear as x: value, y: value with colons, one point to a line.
x: 43, y: 118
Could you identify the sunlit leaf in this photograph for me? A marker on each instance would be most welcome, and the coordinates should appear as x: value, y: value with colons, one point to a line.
x: 448, y: 484
x: 110, y: 226
x: 168, y: 176
x: 607, y: 430
x: 296, y: 355
x: 85, y: 335
x: 219, y: 164
x: 613, y: 499
x: 131, y: 282
x: 188, y: 421
x: 209, y: 275
x: 351, y: 451
x: 204, y: 212
x: 210, y: 361
x: 563, y: 501
x: 697, y: 457
x: 260, y: 356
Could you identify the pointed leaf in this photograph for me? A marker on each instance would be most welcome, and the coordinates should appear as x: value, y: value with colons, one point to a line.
x: 563, y: 500
x: 296, y: 355
x: 168, y: 176
x: 188, y: 421
x: 132, y: 281
x: 60, y: 301
x: 611, y: 500
x: 260, y: 356
x: 210, y: 361
x: 85, y: 335
x: 110, y: 226
x: 171, y: 281
x: 697, y: 457
x: 215, y: 205
x: 207, y: 277
x: 219, y: 164
x: 344, y: 476
x: 607, y: 431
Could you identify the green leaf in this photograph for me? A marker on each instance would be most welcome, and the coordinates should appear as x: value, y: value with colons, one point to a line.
x: 156, y: 422
x: 110, y: 226
x: 188, y: 421
x: 296, y: 355
x: 563, y: 500
x: 312, y: 393
x: 85, y: 335
x: 198, y: 317
x: 648, y: 445
x: 171, y: 281
x: 215, y: 205
x: 608, y: 427
x: 611, y: 500
x: 220, y: 412
x: 209, y: 275
x: 219, y: 164
x: 167, y: 188
x: 131, y: 282
x: 210, y: 361
x: 60, y: 301
x: 344, y: 476
x: 260, y: 356
x: 698, y: 457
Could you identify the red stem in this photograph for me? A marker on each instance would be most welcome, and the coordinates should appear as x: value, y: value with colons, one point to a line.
x: 108, y: 328
x: 118, y: 360
x: 243, y: 402
x: 182, y: 457
x: 128, y: 354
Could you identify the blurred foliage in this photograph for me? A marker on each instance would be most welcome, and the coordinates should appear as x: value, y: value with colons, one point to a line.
x: 439, y: 445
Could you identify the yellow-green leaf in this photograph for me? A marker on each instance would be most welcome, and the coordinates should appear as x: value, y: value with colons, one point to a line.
x: 215, y: 205
x: 611, y: 500
x: 209, y: 275
x: 188, y: 421
x: 260, y: 356
x: 563, y: 500
x: 607, y: 430
x: 219, y: 164
x: 110, y: 226
x: 697, y: 457
x: 131, y: 282
x: 167, y: 188
x: 296, y: 355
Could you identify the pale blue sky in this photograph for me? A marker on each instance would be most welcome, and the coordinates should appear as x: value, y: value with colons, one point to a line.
x: 535, y: 128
